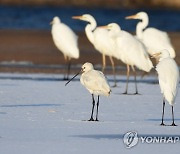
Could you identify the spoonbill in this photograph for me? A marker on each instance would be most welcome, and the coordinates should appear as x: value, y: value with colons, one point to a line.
x: 95, y: 82
x: 154, y: 39
x: 66, y: 41
x: 168, y: 74
x: 130, y: 51
x: 100, y: 40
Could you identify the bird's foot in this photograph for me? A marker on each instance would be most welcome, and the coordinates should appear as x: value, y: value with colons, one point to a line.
x: 115, y: 85
x: 173, y: 124
x: 162, y: 124
x: 91, y: 119
x: 96, y: 119
x: 136, y: 93
x: 125, y: 93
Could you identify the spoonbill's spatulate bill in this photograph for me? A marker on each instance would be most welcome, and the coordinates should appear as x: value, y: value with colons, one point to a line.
x: 95, y: 82
x: 168, y: 74
x: 66, y: 41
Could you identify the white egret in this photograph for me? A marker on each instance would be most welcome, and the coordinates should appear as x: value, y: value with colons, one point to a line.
x: 95, y: 82
x: 66, y: 41
x: 154, y: 39
x: 129, y: 50
x: 100, y: 40
x: 168, y: 74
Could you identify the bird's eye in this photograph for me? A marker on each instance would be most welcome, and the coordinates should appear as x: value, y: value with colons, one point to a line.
x: 84, y: 67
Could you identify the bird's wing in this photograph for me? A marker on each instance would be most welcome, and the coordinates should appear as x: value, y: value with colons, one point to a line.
x: 102, y: 41
x: 168, y: 75
x: 133, y: 51
x: 96, y: 81
x: 66, y: 40
x: 156, y: 40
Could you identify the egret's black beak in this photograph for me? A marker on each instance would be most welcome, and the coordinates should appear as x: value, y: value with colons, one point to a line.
x: 73, y: 77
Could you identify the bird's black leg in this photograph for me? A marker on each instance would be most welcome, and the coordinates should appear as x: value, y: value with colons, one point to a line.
x: 114, y: 71
x: 128, y: 71
x: 134, y: 70
x: 66, y: 59
x: 162, y: 123
x: 68, y: 68
x: 97, y: 109
x: 173, y: 124
x: 93, y: 102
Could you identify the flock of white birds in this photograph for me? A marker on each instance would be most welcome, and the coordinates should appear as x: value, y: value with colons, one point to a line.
x: 110, y: 40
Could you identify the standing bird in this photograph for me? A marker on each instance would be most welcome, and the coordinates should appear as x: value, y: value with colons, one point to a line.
x: 168, y: 74
x: 66, y: 41
x: 100, y: 40
x: 95, y: 82
x: 129, y: 50
x: 154, y: 39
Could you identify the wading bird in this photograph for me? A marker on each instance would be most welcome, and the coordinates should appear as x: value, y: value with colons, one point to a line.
x: 100, y: 40
x: 129, y: 50
x: 154, y: 39
x: 95, y: 82
x: 66, y: 41
x: 168, y: 74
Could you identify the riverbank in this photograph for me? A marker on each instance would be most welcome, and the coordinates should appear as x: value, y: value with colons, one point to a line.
x: 23, y: 50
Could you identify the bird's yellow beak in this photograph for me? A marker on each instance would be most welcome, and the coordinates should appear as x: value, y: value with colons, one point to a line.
x: 77, y: 17
x: 156, y: 55
x: 132, y: 17
x: 104, y: 27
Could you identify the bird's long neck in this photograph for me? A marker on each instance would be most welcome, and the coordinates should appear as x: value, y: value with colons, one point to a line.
x: 141, y: 26
x: 89, y: 30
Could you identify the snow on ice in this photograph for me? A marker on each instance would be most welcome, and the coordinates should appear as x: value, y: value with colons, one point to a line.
x: 39, y: 115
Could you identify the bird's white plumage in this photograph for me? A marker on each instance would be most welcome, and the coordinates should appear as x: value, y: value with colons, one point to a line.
x: 94, y: 81
x: 97, y: 36
x: 168, y: 74
x: 65, y: 39
x: 129, y: 49
x: 100, y: 39
x: 102, y: 42
x: 154, y: 39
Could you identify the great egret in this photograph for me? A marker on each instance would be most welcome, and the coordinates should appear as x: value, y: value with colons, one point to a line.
x: 66, y: 41
x: 95, y: 82
x: 99, y: 38
x: 129, y: 50
x: 154, y: 39
x: 168, y: 74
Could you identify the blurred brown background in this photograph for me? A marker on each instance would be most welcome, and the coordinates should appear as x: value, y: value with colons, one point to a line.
x: 98, y: 3
x: 32, y: 50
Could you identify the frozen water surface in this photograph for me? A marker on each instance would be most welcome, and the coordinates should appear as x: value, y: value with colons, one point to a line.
x: 39, y: 115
